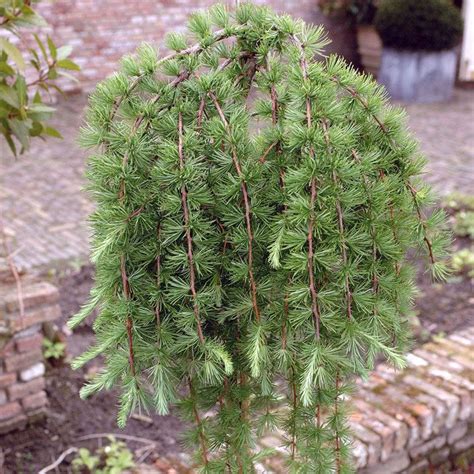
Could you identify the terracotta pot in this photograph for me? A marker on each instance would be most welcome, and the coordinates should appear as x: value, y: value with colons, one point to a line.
x: 369, y: 48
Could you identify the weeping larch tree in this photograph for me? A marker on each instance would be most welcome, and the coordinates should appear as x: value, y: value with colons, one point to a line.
x: 256, y: 201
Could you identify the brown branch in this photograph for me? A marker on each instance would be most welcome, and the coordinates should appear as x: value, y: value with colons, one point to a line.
x: 198, y: 421
x: 248, y: 212
x: 294, y: 400
x: 313, y: 187
x: 202, y: 104
x: 129, y: 323
x: 338, y: 441
x: 375, y: 282
x: 158, y: 282
x: 189, y: 239
x: 422, y: 219
x: 267, y: 151
x: 340, y: 223
x: 274, y: 97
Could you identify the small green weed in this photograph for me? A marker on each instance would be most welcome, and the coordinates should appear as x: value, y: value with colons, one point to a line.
x: 114, y: 458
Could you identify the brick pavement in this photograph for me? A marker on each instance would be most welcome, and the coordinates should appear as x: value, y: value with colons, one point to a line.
x: 45, y: 210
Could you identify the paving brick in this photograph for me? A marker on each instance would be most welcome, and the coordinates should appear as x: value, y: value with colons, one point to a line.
x: 420, y: 467
x: 392, y: 408
x: 17, y: 422
x: 464, y: 443
x: 34, y: 401
x: 424, y: 449
x: 7, y: 379
x: 387, y: 436
x: 457, y: 432
x: 408, y: 403
x: 34, y: 294
x: 29, y: 343
x: 451, y: 401
x: 35, y: 316
x: 32, y: 372
x: 397, y: 427
x: 9, y: 410
x: 22, y: 389
x: 22, y: 361
x: 360, y: 453
x: 439, y: 456
x: 369, y: 439
x: 397, y: 463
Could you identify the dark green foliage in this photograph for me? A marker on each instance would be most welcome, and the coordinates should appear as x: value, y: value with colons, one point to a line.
x: 254, y: 210
x: 362, y: 11
x: 431, y: 25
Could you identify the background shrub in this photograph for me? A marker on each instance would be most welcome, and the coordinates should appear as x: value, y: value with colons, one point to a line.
x: 431, y: 25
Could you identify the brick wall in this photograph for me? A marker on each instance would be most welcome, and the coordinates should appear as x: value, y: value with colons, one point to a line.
x: 101, y: 32
x: 22, y: 395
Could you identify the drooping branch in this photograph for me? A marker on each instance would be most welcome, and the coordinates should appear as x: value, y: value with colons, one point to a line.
x: 129, y: 323
x: 247, y: 208
x: 313, y: 190
x: 394, y: 146
x: 189, y: 239
x: 199, y: 424
x: 337, y: 436
x: 340, y: 224
x: 366, y: 185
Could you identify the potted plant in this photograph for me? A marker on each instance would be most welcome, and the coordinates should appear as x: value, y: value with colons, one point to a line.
x: 419, y: 59
x: 232, y: 256
x: 362, y: 12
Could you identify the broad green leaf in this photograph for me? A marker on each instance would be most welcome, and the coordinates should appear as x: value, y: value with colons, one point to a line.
x: 10, y: 96
x: 21, y: 130
x: 68, y: 64
x: 64, y: 52
x: 20, y: 86
x: 41, y: 47
x: 13, y: 52
x: 5, y: 69
x: 52, y: 48
x: 41, y: 108
x: 52, y: 132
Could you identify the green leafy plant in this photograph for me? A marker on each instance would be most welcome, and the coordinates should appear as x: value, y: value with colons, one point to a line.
x: 53, y: 350
x: 255, y: 206
x: 463, y: 262
x: 459, y: 202
x: 361, y: 11
x: 26, y: 76
x: 115, y: 458
x: 464, y: 224
x: 431, y: 25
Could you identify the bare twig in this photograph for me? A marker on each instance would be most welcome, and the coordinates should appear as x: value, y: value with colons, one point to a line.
x: 59, y: 460
x: 118, y: 436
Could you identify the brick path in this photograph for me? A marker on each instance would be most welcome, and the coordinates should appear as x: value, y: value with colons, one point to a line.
x: 44, y: 209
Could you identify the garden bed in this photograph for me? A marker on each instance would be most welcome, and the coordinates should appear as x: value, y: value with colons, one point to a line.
x: 441, y: 308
